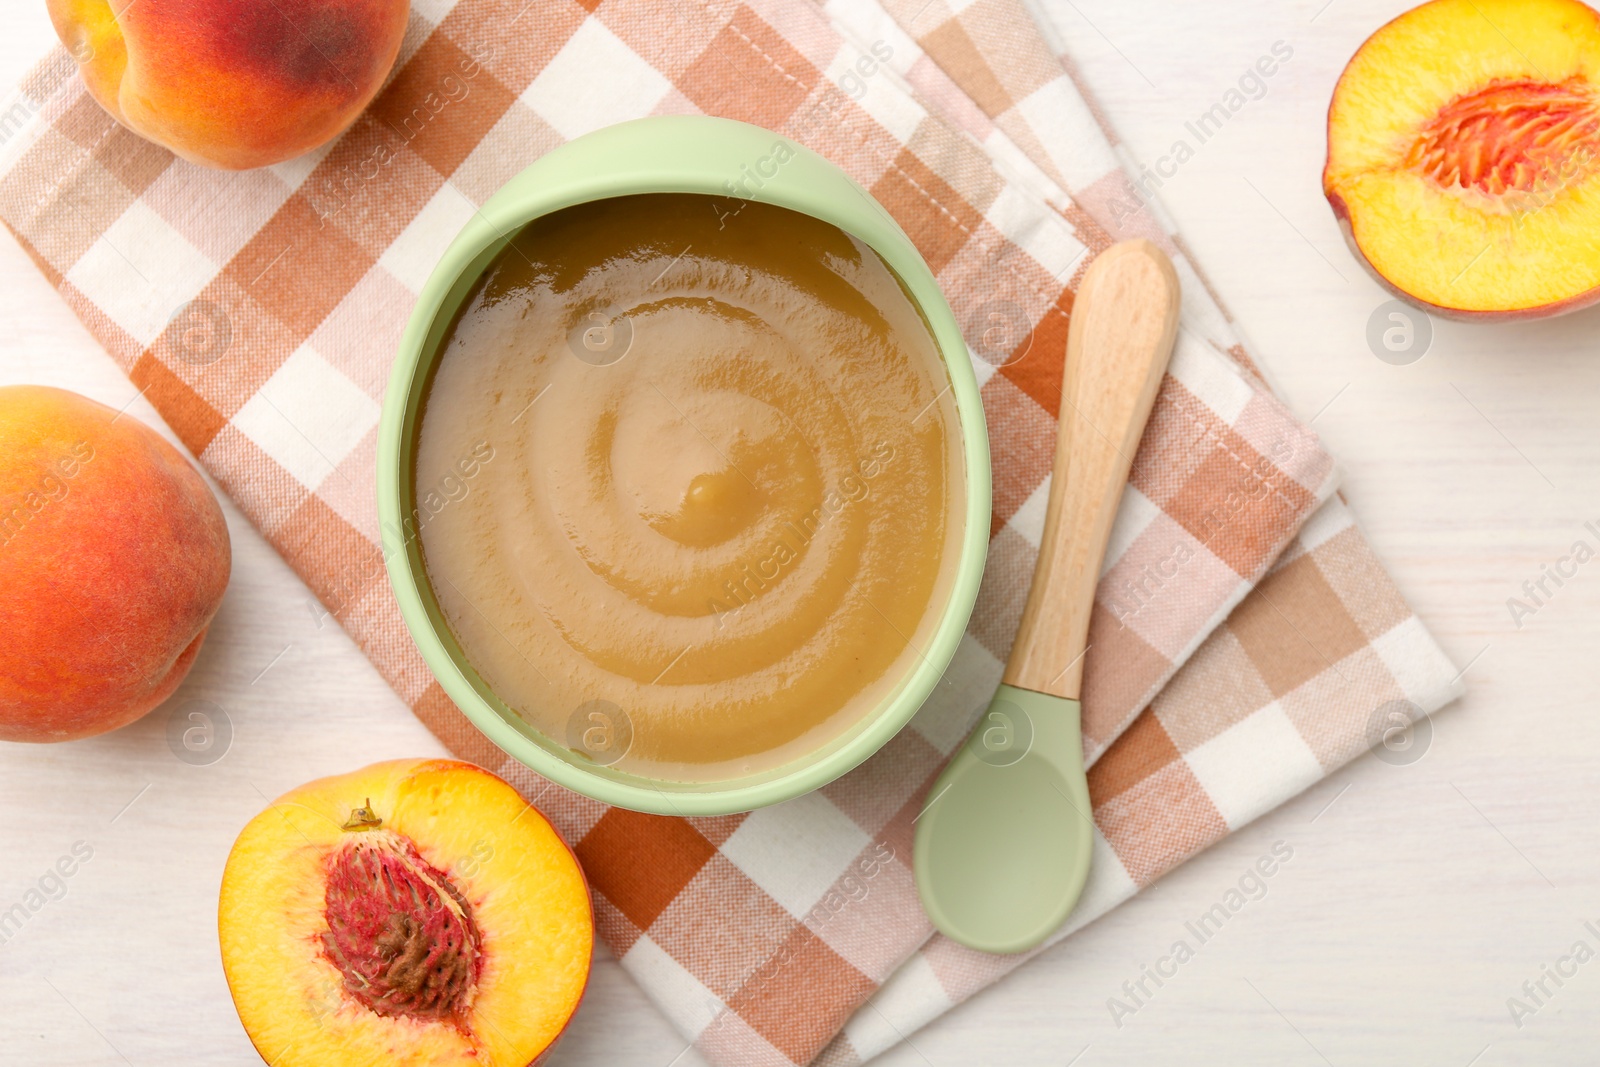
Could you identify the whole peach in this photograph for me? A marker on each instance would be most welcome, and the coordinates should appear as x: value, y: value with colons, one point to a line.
x: 113, y: 559
x: 233, y: 83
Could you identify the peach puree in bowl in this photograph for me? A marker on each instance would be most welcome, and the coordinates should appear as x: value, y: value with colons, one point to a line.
x: 717, y: 487
x: 685, y: 495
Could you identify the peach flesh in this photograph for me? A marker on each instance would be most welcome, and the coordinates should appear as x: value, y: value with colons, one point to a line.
x: 1464, y: 157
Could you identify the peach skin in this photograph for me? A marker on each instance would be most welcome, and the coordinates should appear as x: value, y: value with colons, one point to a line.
x: 233, y: 83
x: 113, y: 559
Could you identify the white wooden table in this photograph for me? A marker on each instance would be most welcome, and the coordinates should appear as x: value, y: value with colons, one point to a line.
x: 1419, y: 897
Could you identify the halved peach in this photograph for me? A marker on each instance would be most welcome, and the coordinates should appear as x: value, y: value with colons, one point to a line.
x: 1464, y: 156
x: 413, y: 912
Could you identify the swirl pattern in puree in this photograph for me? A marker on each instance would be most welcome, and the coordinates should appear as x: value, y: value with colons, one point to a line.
x: 696, y: 465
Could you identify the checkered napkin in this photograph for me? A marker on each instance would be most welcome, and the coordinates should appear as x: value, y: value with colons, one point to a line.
x: 1245, y: 639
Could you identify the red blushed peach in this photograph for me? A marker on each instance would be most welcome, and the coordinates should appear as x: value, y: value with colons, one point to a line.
x: 415, y: 912
x: 1464, y: 157
x: 233, y: 83
x: 113, y: 559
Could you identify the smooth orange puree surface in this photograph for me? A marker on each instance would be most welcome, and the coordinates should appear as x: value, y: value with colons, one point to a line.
x: 690, y: 483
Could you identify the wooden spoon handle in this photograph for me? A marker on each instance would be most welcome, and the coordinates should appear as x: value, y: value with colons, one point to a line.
x: 1124, y: 321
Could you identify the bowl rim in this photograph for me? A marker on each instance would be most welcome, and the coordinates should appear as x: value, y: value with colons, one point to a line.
x: 737, y: 162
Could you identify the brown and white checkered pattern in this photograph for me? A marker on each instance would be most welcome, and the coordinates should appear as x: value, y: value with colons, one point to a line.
x: 259, y: 312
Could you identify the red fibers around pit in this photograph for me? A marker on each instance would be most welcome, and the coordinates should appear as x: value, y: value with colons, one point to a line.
x: 1512, y: 136
x: 399, y: 932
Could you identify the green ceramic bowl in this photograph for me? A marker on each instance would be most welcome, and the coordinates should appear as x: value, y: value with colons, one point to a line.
x: 684, y: 154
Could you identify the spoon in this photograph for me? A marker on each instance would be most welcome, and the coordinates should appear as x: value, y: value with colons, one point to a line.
x: 1002, y: 847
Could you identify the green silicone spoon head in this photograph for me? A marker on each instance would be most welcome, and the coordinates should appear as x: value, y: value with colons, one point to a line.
x: 1014, y: 800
